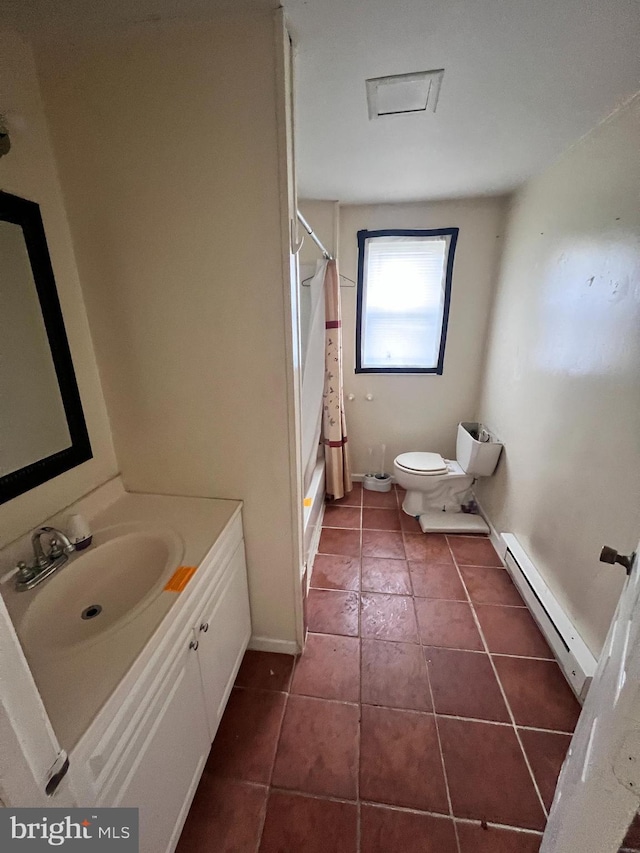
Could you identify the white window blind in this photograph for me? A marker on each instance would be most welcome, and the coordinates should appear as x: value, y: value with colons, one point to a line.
x: 403, y: 301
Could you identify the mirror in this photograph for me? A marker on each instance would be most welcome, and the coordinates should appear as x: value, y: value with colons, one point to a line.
x: 42, y: 427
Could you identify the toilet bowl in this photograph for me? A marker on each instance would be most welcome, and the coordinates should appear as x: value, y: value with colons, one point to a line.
x: 434, y: 483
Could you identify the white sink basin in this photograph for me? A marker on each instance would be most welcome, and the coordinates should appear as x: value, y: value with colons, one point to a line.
x: 101, y: 589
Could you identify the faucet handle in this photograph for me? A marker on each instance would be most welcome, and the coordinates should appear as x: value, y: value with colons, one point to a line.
x: 55, y: 550
x: 25, y: 573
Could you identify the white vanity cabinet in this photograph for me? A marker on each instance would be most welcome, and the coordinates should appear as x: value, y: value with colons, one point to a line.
x: 148, y: 746
x: 163, y: 763
x: 222, y: 636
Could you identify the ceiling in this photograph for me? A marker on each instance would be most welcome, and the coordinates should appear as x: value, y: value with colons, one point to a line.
x: 523, y: 80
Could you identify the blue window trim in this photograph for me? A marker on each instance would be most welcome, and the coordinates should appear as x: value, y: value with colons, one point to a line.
x: 363, y: 236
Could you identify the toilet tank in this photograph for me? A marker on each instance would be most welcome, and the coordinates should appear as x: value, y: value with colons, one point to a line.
x: 474, y: 456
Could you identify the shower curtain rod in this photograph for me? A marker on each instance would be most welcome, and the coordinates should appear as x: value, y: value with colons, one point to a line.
x: 314, y: 237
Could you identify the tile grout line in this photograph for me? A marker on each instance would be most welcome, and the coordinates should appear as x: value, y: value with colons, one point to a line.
x: 275, y: 756
x: 493, y: 655
x: 446, y: 648
x: 503, y: 723
x: 263, y: 819
x: 407, y: 809
x: 426, y: 672
x: 437, y: 727
x: 430, y: 597
x: 502, y: 690
x: 312, y: 795
x: 521, y: 829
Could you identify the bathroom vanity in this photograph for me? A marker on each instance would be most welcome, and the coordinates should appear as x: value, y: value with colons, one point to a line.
x: 137, y: 701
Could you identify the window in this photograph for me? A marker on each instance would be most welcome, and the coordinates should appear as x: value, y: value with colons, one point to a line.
x: 404, y: 288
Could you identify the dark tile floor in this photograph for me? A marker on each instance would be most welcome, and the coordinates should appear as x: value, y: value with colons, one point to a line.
x: 426, y: 715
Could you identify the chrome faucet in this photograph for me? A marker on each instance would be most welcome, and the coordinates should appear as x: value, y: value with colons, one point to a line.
x: 45, y: 564
x: 57, y: 537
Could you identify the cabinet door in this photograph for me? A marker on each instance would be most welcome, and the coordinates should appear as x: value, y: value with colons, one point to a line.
x: 168, y: 762
x: 223, y: 634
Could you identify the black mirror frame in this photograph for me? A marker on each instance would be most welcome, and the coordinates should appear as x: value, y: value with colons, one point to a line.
x: 26, y: 214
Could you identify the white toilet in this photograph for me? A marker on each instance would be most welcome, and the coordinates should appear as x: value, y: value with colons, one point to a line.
x: 439, y: 485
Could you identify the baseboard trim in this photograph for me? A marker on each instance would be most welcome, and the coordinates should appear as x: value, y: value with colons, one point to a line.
x: 496, y: 538
x: 572, y: 654
x: 269, y: 644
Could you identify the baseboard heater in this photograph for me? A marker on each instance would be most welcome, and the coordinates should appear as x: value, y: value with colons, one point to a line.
x: 572, y: 653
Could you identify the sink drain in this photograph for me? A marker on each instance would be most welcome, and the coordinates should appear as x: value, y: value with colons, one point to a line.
x: 92, y: 611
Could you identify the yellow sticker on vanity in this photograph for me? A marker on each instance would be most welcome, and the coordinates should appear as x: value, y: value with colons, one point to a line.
x: 308, y: 501
x: 180, y: 578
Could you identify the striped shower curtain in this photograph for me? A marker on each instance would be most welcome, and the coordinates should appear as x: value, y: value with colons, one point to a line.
x: 334, y: 428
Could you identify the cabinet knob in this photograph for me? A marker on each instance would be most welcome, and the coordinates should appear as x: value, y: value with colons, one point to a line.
x: 194, y: 645
x: 204, y: 627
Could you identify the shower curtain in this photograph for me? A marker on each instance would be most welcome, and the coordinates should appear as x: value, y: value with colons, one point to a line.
x: 334, y: 428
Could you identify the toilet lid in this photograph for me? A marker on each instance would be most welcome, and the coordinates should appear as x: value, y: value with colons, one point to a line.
x: 422, y: 463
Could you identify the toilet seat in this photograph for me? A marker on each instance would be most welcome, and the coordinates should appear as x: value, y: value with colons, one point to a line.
x: 424, y: 464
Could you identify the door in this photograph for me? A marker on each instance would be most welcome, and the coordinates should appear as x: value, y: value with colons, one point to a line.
x: 223, y: 634
x: 31, y: 759
x: 167, y: 757
x: 599, y: 788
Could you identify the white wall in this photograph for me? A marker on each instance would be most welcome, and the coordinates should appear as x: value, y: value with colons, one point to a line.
x: 421, y: 412
x: 29, y: 171
x: 167, y: 141
x: 562, y: 382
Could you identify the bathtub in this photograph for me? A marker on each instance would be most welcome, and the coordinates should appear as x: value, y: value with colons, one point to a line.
x: 312, y: 341
x: 313, y: 510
